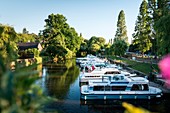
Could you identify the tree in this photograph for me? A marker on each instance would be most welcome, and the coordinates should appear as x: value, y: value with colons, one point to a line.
x: 119, y: 47
x: 95, y: 44
x: 24, y: 31
x: 158, y: 9
x: 83, y: 48
x: 22, y: 37
x: 121, y: 33
x: 8, y: 46
x: 57, y: 32
x: 72, y: 40
x: 107, y: 49
x: 143, y: 34
x: 163, y: 35
x: 54, y: 25
x: 94, y: 48
x: 19, y: 93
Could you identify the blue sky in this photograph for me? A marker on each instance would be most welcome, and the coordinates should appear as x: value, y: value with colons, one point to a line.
x: 89, y: 17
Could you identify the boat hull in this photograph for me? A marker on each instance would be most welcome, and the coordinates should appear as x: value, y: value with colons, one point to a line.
x: 118, y: 96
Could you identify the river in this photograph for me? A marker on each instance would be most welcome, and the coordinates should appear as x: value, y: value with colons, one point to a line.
x: 61, y: 82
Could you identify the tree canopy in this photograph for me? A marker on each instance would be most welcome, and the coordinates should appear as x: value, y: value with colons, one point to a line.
x: 95, y: 44
x: 119, y: 47
x: 142, y: 36
x: 58, y: 33
x: 8, y: 46
x: 121, y: 33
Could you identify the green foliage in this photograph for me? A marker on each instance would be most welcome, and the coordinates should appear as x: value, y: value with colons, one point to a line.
x: 56, y: 52
x: 95, y: 44
x: 27, y: 37
x: 162, y: 27
x: 8, y: 46
x: 142, y: 36
x: 107, y: 49
x: 119, y: 47
x: 159, y: 10
x: 94, y: 48
x: 72, y: 40
x: 83, y: 48
x: 18, y: 90
x: 121, y: 33
x: 19, y: 93
x: 140, y: 66
x: 59, y: 35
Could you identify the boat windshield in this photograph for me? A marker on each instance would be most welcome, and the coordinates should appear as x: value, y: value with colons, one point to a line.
x: 140, y: 87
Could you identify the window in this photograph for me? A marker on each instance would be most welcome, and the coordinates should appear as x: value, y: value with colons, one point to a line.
x: 135, y: 87
x: 107, y: 88
x: 118, y: 88
x: 98, y: 88
x: 140, y: 87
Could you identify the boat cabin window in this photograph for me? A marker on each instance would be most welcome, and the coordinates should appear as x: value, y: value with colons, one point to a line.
x: 107, y: 88
x: 112, y: 72
x: 118, y: 88
x: 92, y: 76
x: 140, y: 87
x: 98, y: 88
x: 83, y: 83
x: 118, y: 77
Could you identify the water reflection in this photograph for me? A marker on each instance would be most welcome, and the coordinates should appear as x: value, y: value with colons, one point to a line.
x: 58, y: 78
x: 61, y: 82
x: 115, y: 106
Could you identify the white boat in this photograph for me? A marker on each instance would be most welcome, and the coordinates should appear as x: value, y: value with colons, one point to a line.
x: 97, y: 74
x: 119, y: 87
x: 100, y: 73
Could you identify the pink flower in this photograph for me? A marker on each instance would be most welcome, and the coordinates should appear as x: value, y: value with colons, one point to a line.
x: 164, y: 66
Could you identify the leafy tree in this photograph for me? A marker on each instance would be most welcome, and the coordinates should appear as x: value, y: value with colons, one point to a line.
x: 163, y: 34
x: 133, y: 48
x: 72, y: 40
x: 58, y: 33
x: 56, y: 51
x: 8, y: 46
x: 121, y: 33
x: 119, y: 47
x: 107, y: 49
x: 94, y: 48
x: 95, y: 44
x: 83, y: 48
x: 27, y: 37
x: 53, y: 27
x: 142, y: 36
x: 158, y: 9
x: 18, y: 92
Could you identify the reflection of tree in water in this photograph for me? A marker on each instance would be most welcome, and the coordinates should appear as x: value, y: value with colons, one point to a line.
x: 58, y: 80
x: 115, y: 106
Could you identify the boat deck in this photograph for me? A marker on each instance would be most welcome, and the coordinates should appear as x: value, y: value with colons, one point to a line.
x: 160, y: 86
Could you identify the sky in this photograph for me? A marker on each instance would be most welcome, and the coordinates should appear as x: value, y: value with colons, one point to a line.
x: 89, y: 17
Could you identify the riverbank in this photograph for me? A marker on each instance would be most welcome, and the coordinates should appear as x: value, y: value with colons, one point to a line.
x: 144, y: 69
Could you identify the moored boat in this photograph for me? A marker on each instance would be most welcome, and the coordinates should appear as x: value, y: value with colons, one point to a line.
x: 119, y: 87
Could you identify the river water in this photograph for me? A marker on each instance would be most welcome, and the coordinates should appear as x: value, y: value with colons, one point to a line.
x: 61, y: 82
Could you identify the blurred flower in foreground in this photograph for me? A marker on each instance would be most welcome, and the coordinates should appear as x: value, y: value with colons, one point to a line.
x: 132, y: 109
x: 164, y: 66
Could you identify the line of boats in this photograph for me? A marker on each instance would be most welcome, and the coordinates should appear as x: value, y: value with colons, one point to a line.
x: 101, y: 80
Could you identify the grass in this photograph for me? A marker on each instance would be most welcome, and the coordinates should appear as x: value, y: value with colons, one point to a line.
x: 140, y: 66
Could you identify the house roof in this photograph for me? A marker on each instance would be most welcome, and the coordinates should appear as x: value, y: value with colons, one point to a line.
x: 28, y: 45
